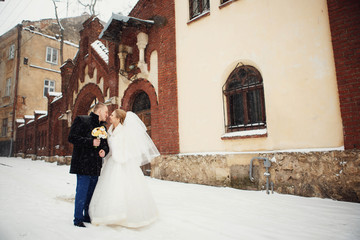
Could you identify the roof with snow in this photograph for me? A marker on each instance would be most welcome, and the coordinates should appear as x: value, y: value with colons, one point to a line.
x: 55, y: 94
x: 118, y: 23
x: 40, y: 112
x: 29, y: 116
x: 100, y: 48
x: 51, y: 37
x: 20, y: 120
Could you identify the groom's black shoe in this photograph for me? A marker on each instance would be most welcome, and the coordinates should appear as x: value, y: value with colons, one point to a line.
x: 79, y: 224
x: 87, y: 219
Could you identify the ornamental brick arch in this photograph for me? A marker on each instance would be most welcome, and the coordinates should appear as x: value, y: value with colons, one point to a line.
x: 142, y: 85
x: 84, y: 99
x: 149, y: 116
x: 134, y: 88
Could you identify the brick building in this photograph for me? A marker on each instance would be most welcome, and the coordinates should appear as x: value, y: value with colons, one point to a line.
x: 345, y: 32
x: 29, y: 68
x: 181, y: 68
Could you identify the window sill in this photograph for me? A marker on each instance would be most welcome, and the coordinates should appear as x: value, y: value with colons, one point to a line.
x: 245, y: 134
x: 204, y: 14
x: 226, y: 4
x: 52, y: 63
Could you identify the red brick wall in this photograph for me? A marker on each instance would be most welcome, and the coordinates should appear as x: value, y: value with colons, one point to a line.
x: 344, y: 18
x: 162, y: 39
x: 164, y: 106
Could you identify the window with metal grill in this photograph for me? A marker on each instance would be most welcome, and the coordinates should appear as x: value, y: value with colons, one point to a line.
x: 244, y: 100
x: 198, y: 7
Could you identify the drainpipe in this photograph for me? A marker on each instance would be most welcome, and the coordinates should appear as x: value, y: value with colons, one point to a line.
x: 267, y: 165
x: 19, y: 28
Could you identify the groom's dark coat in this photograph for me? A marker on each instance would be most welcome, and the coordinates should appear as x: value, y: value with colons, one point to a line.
x: 85, y: 158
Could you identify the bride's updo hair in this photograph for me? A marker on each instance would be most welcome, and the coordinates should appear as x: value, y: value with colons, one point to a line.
x: 120, y: 114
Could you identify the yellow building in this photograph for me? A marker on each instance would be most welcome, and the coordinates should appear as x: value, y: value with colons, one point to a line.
x: 258, y: 100
x: 29, y: 69
x: 286, y: 46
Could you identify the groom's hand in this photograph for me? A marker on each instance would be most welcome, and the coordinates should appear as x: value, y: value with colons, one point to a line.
x: 96, y: 142
x: 102, y: 153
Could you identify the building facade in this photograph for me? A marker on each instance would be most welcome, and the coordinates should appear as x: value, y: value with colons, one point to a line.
x: 29, y: 69
x: 239, y: 93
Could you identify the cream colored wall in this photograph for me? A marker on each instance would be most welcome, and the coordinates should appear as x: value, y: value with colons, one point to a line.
x: 31, y: 80
x: 289, y: 42
x: 7, y: 70
x: 7, y: 66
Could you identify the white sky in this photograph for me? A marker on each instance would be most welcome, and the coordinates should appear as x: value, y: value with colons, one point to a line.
x: 12, y: 12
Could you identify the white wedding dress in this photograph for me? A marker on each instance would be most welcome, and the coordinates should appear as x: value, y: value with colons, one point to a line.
x: 121, y: 196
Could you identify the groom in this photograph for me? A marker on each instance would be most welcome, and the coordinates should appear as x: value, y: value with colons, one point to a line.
x: 86, y: 159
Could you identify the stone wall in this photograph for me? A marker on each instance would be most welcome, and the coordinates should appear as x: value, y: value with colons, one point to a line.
x: 334, y: 174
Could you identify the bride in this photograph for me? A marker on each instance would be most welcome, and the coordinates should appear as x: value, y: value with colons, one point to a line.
x: 121, y: 196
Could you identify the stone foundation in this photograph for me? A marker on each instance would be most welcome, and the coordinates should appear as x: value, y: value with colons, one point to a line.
x: 334, y: 174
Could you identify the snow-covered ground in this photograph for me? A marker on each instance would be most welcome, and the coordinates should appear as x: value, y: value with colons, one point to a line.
x: 36, y: 202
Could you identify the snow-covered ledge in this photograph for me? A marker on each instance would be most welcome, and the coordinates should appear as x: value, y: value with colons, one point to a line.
x: 29, y: 117
x: 241, y: 134
x: 20, y: 120
x: 40, y: 112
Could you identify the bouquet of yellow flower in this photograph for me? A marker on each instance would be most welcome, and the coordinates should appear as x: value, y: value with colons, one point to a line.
x: 99, y: 132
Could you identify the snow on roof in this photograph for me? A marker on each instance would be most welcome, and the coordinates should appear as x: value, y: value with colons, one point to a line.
x: 100, y: 48
x: 55, y: 94
x: 119, y: 20
x: 57, y: 98
x: 20, y: 120
x: 51, y: 37
x: 42, y: 116
x: 122, y: 18
x: 40, y: 112
x: 29, y: 116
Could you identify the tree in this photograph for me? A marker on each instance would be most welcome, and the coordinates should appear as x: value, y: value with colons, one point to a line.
x: 61, y: 34
x: 90, y: 5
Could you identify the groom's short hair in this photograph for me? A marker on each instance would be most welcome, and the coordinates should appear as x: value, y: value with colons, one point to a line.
x: 98, y: 106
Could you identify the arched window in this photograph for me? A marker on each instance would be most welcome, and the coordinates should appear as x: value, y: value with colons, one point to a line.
x: 198, y: 7
x: 244, y: 94
x: 142, y: 107
x: 141, y: 102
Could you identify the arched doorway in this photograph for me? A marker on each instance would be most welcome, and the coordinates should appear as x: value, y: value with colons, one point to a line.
x: 142, y: 107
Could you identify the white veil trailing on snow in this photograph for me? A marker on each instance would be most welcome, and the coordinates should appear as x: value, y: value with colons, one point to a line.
x: 130, y: 143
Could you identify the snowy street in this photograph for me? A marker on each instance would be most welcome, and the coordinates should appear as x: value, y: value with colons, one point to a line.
x: 37, y: 200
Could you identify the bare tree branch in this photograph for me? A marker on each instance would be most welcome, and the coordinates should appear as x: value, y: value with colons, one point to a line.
x: 90, y: 6
x: 61, y: 34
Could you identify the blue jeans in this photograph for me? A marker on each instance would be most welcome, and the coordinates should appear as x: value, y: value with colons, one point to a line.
x: 85, y: 187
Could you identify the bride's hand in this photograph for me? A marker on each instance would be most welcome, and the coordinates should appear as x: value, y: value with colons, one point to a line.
x: 102, y: 153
